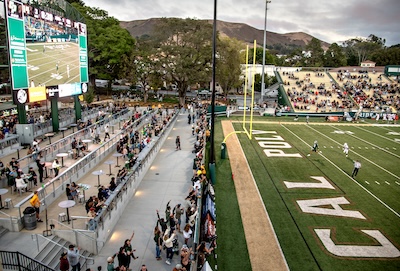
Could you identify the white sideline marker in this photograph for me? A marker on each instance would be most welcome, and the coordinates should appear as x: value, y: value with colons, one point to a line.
x: 366, y: 182
x: 324, y: 147
x: 377, y: 183
x: 394, y: 148
x: 366, y: 148
x: 387, y: 183
x: 359, y: 148
x: 397, y: 183
x: 373, y: 148
x: 331, y: 147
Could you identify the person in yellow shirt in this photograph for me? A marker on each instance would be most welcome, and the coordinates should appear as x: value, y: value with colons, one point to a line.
x: 35, y: 202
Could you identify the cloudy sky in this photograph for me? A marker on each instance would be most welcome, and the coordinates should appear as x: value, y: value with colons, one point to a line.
x: 328, y: 20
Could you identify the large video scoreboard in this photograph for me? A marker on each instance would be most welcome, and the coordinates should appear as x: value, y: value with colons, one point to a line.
x: 46, y: 51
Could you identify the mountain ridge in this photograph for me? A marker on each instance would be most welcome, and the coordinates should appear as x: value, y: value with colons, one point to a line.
x: 239, y: 31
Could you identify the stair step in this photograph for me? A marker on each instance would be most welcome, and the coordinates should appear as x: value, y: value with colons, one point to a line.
x: 47, y: 249
x: 3, y: 231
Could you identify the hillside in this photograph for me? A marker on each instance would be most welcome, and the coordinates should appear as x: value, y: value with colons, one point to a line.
x: 239, y: 31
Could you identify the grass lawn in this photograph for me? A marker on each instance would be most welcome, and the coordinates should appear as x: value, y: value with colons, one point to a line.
x: 318, y: 228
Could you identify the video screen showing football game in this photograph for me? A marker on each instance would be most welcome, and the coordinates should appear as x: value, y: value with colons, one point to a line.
x: 53, y: 53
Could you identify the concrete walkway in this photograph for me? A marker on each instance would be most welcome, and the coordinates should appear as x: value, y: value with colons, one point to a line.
x: 169, y: 178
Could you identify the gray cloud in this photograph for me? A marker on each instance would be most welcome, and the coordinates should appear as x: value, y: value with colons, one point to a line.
x: 330, y: 21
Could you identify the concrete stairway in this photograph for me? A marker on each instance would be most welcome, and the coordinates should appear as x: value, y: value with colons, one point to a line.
x: 51, y: 253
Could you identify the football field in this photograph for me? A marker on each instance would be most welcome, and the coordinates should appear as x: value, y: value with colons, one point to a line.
x: 51, y: 64
x: 324, y: 218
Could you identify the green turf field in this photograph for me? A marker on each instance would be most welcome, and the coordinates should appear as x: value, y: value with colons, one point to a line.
x: 324, y: 219
x: 48, y: 63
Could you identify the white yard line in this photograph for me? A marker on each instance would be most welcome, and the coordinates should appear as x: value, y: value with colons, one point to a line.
x: 372, y: 144
x: 363, y: 157
x: 384, y: 137
x: 347, y: 175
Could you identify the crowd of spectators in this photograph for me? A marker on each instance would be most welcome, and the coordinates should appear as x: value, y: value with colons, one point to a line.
x: 323, y: 96
x: 370, y: 91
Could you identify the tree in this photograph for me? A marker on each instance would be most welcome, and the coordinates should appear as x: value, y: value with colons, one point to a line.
x: 142, y: 66
x: 362, y: 49
x: 269, y: 59
x: 228, y: 68
x: 89, y: 96
x: 316, y: 53
x: 184, y: 53
x: 387, y: 56
x: 108, y: 43
x: 334, y: 56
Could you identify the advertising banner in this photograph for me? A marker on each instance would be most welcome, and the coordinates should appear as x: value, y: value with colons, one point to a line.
x: 37, y: 94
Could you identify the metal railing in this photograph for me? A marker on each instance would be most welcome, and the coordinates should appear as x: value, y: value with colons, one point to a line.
x: 8, y: 142
x: 81, y: 238
x: 143, y: 161
x: 50, y: 191
x: 87, y: 260
x: 49, y: 152
x: 11, y: 223
x: 21, y: 262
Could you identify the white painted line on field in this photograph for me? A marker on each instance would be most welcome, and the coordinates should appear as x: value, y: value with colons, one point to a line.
x: 324, y: 147
x: 373, y: 145
x: 366, y: 148
x: 369, y: 143
x: 387, y: 183
x: 331, y: 147
x: 397, y: 183
x: 359, y: 148
x: 366, y: 182
x: 387, y: 148
x: 373, y: 148
x: 394, y: 148
x: 377, y: 183
x: 365, y: 130
x: 347, y: 175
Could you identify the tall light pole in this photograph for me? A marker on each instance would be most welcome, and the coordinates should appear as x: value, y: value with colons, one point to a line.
x: 264, y: 49
x: 211, y: 166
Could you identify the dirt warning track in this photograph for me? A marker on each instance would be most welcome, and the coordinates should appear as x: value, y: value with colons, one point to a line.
x: 263, y: 247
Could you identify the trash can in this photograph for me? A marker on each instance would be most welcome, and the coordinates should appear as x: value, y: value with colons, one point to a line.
x: 223, y: 150
x: 30, y: 218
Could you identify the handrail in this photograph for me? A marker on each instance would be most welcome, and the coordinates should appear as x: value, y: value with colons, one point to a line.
x: 76, y: 231
x: 131, y: 175
x: 19, y: 261
x: 57, y: 244
x: 49, y: 151
x: 73, y: 169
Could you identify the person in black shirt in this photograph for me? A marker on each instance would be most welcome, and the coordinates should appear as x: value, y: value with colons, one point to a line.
x: 33, y: 176
x: 14, y: 163
x: 40, y: 166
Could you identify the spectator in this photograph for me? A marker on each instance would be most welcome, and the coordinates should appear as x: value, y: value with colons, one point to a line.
x: 40, y: 166
x: 158, y: 241
x: 169, y: 243
x: 32, y: 176
x: 112, y: 185
x: 56, y: 167
x: 68, y: 192
x: 64, y: 264
x: 110, y: 263
x: 35, y: 203
x: 73, y: 258
x: 123, y: 259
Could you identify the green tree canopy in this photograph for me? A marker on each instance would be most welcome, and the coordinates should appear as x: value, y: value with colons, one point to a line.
x: 334, y: 56
x: 185, y: 52
x: 108, y: 43
x: 316, y: 53
x: 228, y: 68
